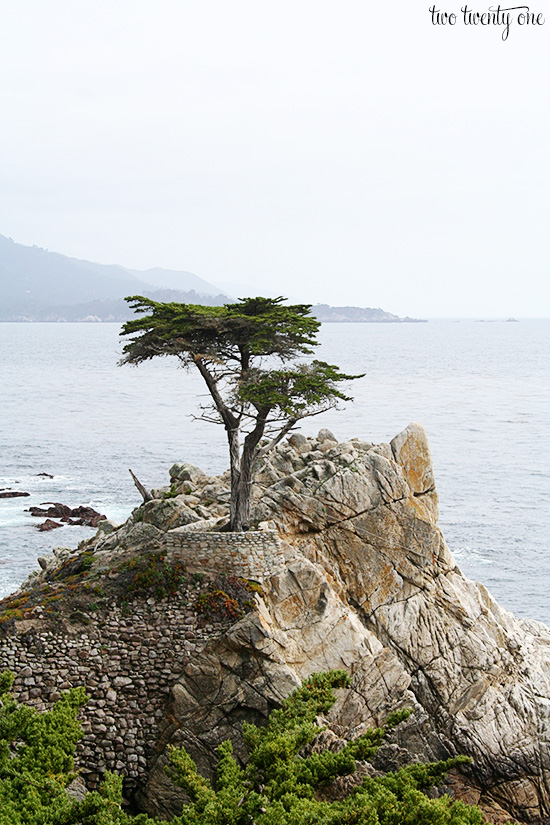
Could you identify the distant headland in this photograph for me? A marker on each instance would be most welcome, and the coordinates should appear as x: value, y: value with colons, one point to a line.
x: 39, y: 285
x: 360, y: 315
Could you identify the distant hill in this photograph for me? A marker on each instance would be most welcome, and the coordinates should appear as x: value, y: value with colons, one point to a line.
x: 181, y: 281
x: 39, y: 285
x: 359, y: 315
x: 115, y: 309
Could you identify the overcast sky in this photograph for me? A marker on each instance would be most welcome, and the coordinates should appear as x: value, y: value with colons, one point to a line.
x: 347, y: 153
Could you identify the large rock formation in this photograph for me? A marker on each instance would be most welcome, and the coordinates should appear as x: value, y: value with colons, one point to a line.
x: 369, y: 585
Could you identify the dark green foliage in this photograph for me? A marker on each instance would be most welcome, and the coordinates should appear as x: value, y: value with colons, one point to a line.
x: 294, y: 392
x: 218, y: 605
x: 13, y: 608
x: 243, y: 352
x: 151, y: 575
x: 61, y: 584
x: 227, y: 341
x: 36, y: 765
x: 279, y: 785
x: 73, y: 567
x: 262, y: 326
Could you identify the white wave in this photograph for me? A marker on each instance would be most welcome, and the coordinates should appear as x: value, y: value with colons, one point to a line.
x: 469, y: 553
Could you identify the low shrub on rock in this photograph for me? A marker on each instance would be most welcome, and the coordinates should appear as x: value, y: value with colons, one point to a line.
x: 281, y: 784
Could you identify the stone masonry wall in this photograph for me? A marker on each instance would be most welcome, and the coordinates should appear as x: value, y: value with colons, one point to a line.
x: 129, y: 657
x: 127, y: 662
x: 255, y: 555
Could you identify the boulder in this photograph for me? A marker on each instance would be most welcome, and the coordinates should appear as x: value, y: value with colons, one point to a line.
x: 300, y: 443
x: 106, y: 526
x: 83, y: 516
x: 167, y: 514
x: 130, y: 537
x: 54, y: 511
x: 325, y: 435
x: 76, y: 790
x: 186, y: 472
x: 48, y: 525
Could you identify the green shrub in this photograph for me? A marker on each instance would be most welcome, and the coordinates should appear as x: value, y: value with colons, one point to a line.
x: 36, y: 765
x: 279, y: 785
x: 151, y: 575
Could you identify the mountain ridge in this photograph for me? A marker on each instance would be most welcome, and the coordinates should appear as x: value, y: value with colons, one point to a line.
x: 39, y: 285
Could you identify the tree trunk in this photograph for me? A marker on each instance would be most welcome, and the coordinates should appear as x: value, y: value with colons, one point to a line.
x: 241, y: 497
x: 241, y: 491
x: 235, y: 469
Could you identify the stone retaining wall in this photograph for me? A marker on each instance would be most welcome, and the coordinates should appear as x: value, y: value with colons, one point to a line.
x: 127, y: 663
x: 129, y: 659
x: 256, y: 555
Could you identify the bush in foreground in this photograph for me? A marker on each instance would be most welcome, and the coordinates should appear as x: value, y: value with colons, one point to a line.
x: 278, y: 786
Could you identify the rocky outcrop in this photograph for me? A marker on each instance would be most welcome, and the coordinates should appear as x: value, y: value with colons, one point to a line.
x: 359, y: 315
x: 48, y: 525
x: 82, y: 516
x: 369, y: 585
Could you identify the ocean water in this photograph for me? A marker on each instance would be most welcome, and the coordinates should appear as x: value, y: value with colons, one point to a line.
x: 481, y: 389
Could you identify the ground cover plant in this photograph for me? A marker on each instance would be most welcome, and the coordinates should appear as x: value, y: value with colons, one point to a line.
x: 281, y: 783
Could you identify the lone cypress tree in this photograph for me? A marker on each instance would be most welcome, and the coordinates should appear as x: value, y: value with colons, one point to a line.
x: 246, y: 353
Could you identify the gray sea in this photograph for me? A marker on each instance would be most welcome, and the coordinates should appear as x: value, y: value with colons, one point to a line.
x: 481, y: 389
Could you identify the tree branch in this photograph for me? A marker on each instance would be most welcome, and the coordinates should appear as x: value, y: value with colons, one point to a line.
x: 143, y: 490
x: 280, y: 435
x: 231, y: 423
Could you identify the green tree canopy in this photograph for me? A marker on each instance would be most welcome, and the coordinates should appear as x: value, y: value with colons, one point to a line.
x: 246, y: 353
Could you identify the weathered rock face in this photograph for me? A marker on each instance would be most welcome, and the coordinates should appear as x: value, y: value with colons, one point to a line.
x: 369, y: 585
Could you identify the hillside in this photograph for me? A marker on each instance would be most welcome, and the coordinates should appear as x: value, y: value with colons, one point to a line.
x: 39, y: 285
x: 359, y: 315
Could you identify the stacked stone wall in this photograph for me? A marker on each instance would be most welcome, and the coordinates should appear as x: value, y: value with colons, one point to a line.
x: 129, y: 657
x: 254, y: 555
x: 127, y: 665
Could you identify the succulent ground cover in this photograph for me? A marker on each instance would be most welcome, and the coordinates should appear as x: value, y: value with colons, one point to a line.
x: 75, y: 589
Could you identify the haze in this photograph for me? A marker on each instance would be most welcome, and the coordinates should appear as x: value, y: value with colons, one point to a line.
x: 346, y: 153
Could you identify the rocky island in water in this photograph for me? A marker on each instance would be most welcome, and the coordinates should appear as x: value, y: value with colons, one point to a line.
x: 180, y: 632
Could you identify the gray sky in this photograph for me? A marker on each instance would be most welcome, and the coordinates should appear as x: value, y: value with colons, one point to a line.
x: 349, y: 152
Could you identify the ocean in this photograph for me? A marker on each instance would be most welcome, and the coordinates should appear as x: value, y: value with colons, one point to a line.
x: 481, y: 390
